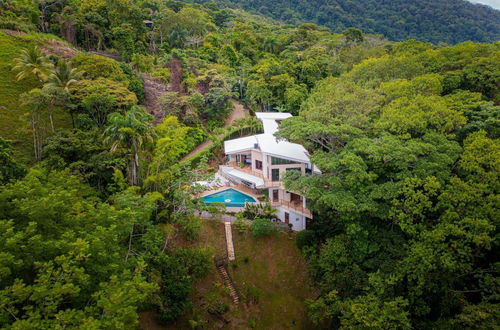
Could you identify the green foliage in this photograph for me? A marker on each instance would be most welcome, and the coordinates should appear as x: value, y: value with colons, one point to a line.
x: 426, y: 19
x: 191, y: 227
x: 240, y: 225
x: 95, y: 66
x: 136, y: 83
x: 130, y: 134
x: 85, y: 155
x: 101, y: 97
x: 262, y: 227
x: 353, y: 35
x: 19, y: 15
x: 53, y: 271
x: 9, y: 168
x: 305, y: 238
x: 406, y: 202
x: 260, y: 210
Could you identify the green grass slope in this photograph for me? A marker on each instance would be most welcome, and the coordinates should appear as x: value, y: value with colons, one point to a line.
x: 14, y: 118
x: 269, y: 273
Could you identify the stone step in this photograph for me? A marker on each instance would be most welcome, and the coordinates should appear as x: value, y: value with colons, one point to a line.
x: 229, y: 241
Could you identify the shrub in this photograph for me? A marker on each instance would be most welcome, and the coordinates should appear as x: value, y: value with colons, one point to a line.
x: 251, y: 294
x: 216, y: 210
x: 262, y: 227
x: 136, y: 83
x: 161, y: 73
x: 143, y: 63
x: 215, y: 305
x: 191, y: 227
x: 240, y: 225
x: 305, y: 238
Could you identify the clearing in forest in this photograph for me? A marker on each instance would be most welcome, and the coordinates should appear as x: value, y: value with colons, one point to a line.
x: 270, y: 276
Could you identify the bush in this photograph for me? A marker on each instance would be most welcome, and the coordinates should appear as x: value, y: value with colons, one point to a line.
x: 191, y: 227
x: 251, y: 294
x: 136, y: 83
x: 262, y: 227
x: 163, y: 74
x: 305, y: 238
x: 143, y: 63
x: 240, y: 225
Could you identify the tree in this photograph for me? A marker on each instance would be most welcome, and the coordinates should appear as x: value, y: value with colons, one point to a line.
x: 54, y: 274
x: 353, y: 35
x: 98, y: 98
x: 9, y: 168
x: 130, y: 133
x: 36, y: 101
x: 32, y: 62
x: 63, y: 76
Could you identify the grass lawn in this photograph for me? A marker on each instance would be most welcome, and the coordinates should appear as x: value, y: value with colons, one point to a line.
x: 270, y: 276
x: 14, y: 121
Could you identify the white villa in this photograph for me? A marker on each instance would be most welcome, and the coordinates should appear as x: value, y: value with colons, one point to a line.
x: 260, y: 161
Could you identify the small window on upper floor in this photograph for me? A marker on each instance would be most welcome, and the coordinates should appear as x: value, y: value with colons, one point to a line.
x: 258, y: 165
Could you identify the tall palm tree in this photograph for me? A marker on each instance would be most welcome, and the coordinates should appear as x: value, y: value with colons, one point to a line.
x: 32, y: 62
x: 130, y: 133
x: 63, y: 76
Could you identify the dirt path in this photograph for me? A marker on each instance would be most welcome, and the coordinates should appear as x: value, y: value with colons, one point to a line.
x: 153, y: 89
x: 176, y: 76
x: 239, y: 111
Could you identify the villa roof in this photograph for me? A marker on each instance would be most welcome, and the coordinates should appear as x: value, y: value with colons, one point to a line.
x: 270, y: 120
x: 241, y: 144
x: 282, y: 148
x: 267, y: 142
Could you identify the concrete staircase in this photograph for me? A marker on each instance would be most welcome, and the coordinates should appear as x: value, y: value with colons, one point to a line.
x: 229, y: 241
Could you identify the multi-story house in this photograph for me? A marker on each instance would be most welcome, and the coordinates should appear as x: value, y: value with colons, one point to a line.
x: 260, y: 162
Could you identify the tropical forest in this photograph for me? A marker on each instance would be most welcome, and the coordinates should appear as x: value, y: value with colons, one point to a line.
x: 234, y: 164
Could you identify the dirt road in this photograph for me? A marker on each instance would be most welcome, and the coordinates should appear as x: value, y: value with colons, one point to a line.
x: 239, y: 111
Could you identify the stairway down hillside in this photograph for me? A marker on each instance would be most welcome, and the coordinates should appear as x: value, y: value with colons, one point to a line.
x: 228, y: 282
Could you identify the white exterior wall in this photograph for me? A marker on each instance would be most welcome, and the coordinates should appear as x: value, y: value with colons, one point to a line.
x: 256, y: 155
x: 297, y: 220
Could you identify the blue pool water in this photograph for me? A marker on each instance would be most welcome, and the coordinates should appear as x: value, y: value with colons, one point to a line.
x: 229, y: 197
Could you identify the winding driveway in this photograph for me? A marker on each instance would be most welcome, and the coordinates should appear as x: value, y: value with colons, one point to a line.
x: 239, y: 111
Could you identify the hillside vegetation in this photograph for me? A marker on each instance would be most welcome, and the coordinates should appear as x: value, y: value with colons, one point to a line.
x: 449, y: 21
x: 97, y: 211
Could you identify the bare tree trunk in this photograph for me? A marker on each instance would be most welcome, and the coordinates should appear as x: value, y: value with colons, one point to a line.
x: 51, y: 121
x: 35, y: 147
x: 136, y: 167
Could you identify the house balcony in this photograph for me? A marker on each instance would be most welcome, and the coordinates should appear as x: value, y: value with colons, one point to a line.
x: 296, y: 206
x: 247, y: 169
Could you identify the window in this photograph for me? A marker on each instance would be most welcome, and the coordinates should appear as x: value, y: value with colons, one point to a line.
x: 275, y: 174
x: 258, y: 164
x: 281, y: 161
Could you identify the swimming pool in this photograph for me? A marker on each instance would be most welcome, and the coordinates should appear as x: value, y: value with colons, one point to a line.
x: 229, y: 197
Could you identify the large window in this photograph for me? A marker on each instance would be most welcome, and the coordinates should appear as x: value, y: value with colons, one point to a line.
x: 281, y: 161
x: 275, y: 174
